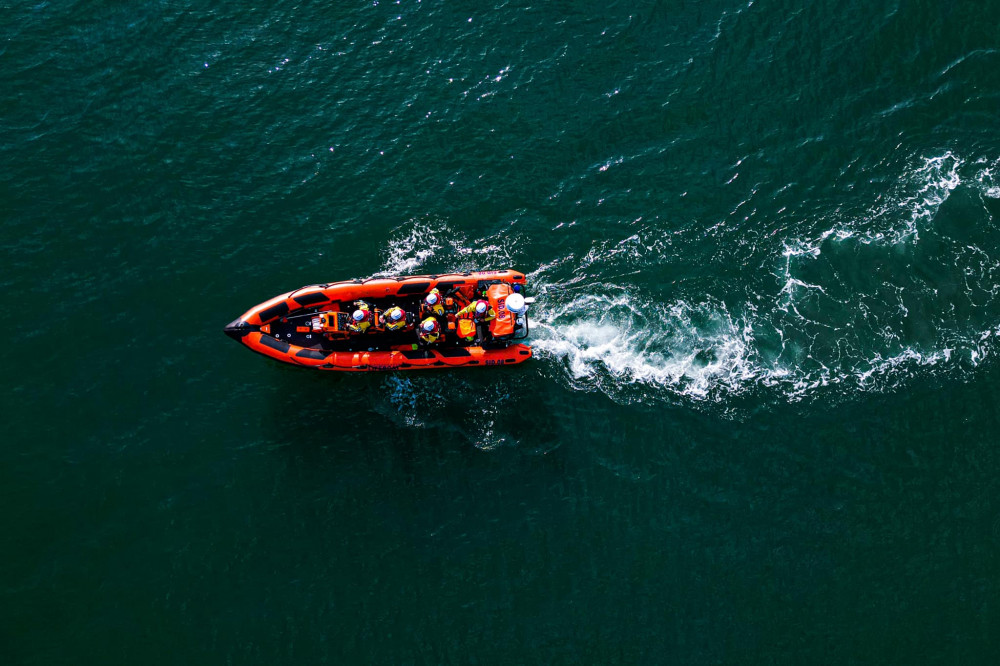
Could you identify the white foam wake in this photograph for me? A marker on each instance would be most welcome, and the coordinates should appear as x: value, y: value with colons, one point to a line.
x: 430, y: 245
x: 934, y: 181
x: 611, y: 339
x: 632, y: 349
x: 414, y: 244
x: 987, y: 178
x: 864, y: 320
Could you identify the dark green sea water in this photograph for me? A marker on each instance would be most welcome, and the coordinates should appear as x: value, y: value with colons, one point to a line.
x: 761, y: 424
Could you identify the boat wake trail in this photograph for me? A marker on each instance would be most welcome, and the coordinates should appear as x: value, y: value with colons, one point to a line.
x: 609, y: 340
x: 912, y: 286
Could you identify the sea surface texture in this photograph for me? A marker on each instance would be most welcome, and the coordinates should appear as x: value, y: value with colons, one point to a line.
x: 761, y: 424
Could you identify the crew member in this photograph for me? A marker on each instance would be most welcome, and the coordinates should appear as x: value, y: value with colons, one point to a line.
x: 394, y: 319
x: 433, y: 303
x: 361, y: 319
x: 429, y: 331
x: 478, y: 311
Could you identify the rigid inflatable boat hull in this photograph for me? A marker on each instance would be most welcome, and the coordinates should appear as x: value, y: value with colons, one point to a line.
x: 266, y: 328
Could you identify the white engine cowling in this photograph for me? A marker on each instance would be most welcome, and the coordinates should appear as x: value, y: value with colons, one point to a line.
x: 515, y: 304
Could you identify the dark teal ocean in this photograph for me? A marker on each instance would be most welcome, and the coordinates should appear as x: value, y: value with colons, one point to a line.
x: 761, y: 424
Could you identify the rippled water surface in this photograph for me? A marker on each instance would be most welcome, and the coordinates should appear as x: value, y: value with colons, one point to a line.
x: 760, y: 425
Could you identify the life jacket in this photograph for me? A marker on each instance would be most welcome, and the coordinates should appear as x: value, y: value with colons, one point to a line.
x: 438, y: 307
x: 389, y: 324
x: 432, y: 336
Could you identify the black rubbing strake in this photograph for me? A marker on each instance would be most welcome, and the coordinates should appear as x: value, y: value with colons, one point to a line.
x: 280, y: 345
x: 414, y: 288
x: 311, y: 299
x: 311, y: 353
x: 273, y: 312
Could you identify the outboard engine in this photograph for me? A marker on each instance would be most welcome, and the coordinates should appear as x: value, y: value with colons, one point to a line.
x: 517, y: 305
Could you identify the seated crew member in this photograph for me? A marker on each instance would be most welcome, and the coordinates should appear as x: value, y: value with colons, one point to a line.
x: 362, y: 318
x: 478, y: 311
x: 433, y: 303
x: 394, y: 319
x: 429, y: 331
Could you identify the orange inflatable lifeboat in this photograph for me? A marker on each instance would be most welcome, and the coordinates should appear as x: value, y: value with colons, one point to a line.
x: 313, y: 326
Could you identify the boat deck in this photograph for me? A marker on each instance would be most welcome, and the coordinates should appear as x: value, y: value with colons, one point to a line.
x: 289, y: 329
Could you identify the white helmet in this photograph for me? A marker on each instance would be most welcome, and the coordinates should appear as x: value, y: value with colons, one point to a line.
x: 358, y: 315
x: 429, y: 326
x: 481, y: 307
x: 431, y: 299
x: 396, y: 314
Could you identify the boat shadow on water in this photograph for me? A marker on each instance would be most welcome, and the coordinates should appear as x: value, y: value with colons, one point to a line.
x: 462, y: 409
